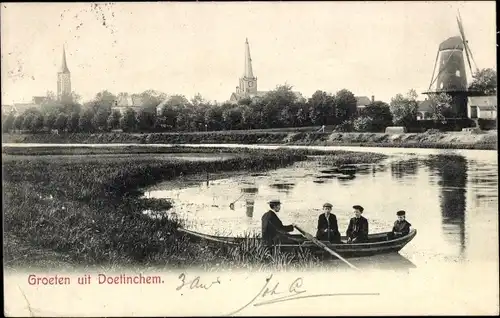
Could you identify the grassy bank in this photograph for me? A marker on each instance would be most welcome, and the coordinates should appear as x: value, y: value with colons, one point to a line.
x: 90, y: 212
x: 451, y: 140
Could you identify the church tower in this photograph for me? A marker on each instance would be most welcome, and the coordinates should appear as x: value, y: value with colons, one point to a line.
x: 248, y: 83
x: 63, y: 79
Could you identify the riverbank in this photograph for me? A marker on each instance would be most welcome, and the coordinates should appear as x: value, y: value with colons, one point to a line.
x: 91, y: 212
x: 449, y: 140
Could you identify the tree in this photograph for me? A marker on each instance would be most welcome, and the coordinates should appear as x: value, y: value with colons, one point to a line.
x: 86, y: 120
x: 49, y: 120
x: 28, y: 119
x: 485, y: 81
x: 103, y: 101
x: 440, y: 106
x: 404, y: 108
x: 128, y: 122
x: 18, y: 122
x: 145, y: 119
x: 273, y: 102
x: 151, y: 99
x: 8, y: 123
x: 100, y: 119
x: 346, y: 105
x: 60, y: 123
x: 37, y: 123
x: 114, y: 119
x: 322, y: 108
x: 73, y: 122
x: 301, y: 115
x: 379, y: 115
x: 232, y: 117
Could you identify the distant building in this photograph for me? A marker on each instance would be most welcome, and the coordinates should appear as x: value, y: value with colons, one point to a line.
x: 424, y: 110
x: 63, y: 79
x: 124, y: 102
x: 39, y: 100
x: 19, y: 108
x: 7, y: 109
x: 363, y: 101
x: 160, y: 106
x: 248, y: 83
x: 484, y: 107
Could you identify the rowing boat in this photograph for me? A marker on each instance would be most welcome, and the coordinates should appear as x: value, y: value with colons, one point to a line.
x: 378, y: 243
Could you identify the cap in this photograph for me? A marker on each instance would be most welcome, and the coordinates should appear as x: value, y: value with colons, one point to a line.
x: 327, y: 205
x: 401, y: 212
x: 274, y: 201
x: 359, y: 208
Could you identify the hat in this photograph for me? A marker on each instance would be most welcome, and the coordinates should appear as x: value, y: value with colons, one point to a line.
x: 274, y: 201
x: 401, y: 212
x: 359, y: 208
x: 327, y: 205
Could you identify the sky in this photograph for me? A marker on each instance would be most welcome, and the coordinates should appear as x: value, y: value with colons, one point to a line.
x: 378, y: 48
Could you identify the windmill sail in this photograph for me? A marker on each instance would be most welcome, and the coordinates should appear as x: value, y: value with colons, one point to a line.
x: 468, y: 51
x: 465, y: 42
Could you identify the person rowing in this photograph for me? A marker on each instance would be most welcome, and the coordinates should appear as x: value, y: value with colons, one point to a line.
x: 272, y: 227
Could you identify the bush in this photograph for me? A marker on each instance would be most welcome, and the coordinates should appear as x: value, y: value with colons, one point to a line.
x: 345, y: 126
x: 363, y: 124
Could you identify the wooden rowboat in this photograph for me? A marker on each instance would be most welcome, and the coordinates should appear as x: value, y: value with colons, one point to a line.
x: 377, y: 244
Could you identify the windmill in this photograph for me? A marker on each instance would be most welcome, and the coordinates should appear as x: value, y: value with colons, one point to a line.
x: 451, y: 77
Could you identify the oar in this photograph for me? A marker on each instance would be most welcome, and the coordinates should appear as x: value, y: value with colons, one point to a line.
x: 323, y: 246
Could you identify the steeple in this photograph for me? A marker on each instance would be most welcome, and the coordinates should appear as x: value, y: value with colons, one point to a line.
x: 64, y: 66
x: 248, y: 61
x: 63, y: 79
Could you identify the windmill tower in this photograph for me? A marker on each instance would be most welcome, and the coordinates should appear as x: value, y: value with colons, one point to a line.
x: 451, y: 77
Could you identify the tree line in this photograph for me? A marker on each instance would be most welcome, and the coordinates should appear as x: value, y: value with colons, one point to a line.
x: 278, y: 108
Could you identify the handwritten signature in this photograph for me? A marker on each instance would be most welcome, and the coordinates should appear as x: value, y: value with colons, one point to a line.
x: 294, y: 291
x: 195, y: 283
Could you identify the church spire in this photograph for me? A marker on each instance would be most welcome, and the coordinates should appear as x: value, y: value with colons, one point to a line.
x: 64, y: 66
x: 248, y: 61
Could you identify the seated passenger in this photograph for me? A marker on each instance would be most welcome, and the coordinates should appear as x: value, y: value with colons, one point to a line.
x: 357, y: 231
x: 401, y: 226
x: 328, y: 229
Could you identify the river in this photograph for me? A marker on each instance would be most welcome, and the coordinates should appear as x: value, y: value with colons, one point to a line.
x: 450, y: 197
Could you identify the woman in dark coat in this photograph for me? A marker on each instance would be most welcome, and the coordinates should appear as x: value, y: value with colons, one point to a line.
x: 328, y: 229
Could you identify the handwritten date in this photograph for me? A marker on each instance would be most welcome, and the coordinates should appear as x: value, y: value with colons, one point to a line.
x: 195, y: 283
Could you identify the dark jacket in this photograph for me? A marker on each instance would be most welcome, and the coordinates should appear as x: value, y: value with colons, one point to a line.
x: 403, y: 227
x: 332, y: 234
x: 358, y: 229
x: 272, y: 227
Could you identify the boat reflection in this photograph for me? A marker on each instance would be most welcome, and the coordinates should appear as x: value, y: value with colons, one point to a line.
x: 385, y: 262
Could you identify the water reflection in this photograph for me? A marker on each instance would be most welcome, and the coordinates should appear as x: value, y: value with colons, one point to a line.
x: 451, y: 172
x: 283, y: 187
x: 404, y: 168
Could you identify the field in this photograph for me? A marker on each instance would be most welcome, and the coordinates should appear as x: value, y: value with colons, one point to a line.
x: 82, y: 212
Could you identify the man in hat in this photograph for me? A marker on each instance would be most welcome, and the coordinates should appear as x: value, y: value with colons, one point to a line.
x: 272, y: 227
x: 328, y: 229
x: 357, y: 231
x: 401, y: 226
